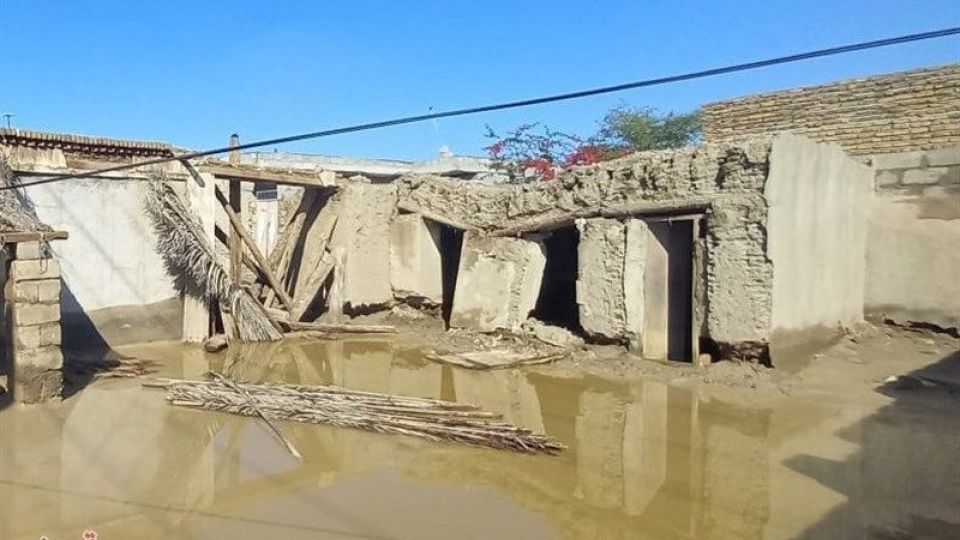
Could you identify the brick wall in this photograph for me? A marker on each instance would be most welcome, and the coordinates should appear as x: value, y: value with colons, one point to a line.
x: 33, y: 361
x: 912, y: 110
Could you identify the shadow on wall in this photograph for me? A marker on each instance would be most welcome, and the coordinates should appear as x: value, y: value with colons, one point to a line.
x: 89, y: 337
x: 890, y: 491
x: 84, y: 348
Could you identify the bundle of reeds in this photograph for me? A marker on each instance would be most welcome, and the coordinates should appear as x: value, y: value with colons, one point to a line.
x: 430, y: 419
x: 191, y: 258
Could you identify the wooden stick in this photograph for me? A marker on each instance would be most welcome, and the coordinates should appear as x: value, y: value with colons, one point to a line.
x: 258, y: 257
x: 343, y: 328
x: 253, y: 404
x: 235, y: 242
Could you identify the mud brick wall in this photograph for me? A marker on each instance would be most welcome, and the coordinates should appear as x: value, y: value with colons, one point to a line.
x: 912, y: 110
x: 729, y: 178
x: 32, y: 322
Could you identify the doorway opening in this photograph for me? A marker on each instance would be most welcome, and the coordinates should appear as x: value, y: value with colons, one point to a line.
x: 671, y: 328
x: 557, y: 302
x: 450, y: 244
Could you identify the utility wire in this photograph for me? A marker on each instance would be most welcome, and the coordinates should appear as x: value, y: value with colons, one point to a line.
x: 515, y: 104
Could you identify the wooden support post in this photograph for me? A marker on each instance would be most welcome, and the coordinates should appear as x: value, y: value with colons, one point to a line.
x: 236, y: 244
x: 200, y: 201
x: 240, y: 232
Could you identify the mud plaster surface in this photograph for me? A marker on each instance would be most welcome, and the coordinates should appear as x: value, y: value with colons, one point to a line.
x: 728, y: 177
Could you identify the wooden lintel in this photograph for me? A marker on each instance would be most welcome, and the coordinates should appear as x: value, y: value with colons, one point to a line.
x: 669, y: 209
x: 237, y: 174
x: 32, y: 236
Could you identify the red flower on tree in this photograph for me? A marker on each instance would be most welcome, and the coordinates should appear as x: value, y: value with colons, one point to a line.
x: 544, y: 168
x: 586, y: 154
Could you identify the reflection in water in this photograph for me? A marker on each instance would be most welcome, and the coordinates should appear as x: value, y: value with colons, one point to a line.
x: 645, y: 459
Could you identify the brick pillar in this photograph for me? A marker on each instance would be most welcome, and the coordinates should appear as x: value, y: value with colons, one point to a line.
x: 32, y: 294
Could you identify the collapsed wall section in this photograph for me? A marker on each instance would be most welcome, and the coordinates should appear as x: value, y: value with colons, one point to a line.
x: 725, y: 180
x: 498, y: 282
x: 602, y: 280
x: 415, y: 262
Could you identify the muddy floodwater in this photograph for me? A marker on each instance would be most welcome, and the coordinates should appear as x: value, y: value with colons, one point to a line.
x: 645, y: 459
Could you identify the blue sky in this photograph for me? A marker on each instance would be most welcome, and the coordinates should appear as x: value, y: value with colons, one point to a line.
x: 191, y: 73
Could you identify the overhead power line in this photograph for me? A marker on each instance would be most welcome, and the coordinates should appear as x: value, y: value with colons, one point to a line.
x: 515, y: 104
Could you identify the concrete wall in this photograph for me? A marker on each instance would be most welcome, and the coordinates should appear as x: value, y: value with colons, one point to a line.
x: 818, y: 199
x: 112, y: 274
x: 913, y: 245
x: 912, y: 110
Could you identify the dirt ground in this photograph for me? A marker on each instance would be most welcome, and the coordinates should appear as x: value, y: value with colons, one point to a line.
x: 856, y: 362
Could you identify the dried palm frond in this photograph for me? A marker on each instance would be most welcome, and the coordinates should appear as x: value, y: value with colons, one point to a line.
x: 16, y: 209
x: 430, y: 419
x: 189, y: 257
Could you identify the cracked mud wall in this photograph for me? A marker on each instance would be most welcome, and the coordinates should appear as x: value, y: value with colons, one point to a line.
x: 726, y: 179
x: 498, y: 282
x: 363, y: 228
x: 600, y: 286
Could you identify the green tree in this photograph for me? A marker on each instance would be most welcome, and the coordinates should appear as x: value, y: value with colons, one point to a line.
x: 643, y: 128
x: 533, y: 152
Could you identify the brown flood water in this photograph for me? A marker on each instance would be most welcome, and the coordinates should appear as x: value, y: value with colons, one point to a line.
x: 645, y: 460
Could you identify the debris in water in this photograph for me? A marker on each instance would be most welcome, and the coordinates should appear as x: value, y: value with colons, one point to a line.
x: 111, y: 368
x: 216, y: 343
x: 430, y: 419
x: 495, y: 359
x: 189, y: 256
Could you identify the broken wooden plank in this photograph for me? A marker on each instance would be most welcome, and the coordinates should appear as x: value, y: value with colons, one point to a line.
x: 343, y: 328
x: 315, y: 262
x: 254, y: 250
x: 279, y: 258
x: 247, y: 173
x: 312, y: 286
x: 495, y: 359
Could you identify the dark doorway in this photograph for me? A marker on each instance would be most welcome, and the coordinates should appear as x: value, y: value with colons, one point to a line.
x: 450, y: 243
x: 557, y: 303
